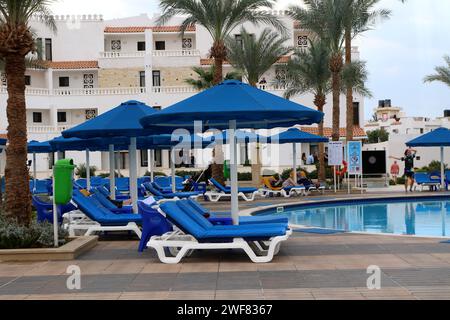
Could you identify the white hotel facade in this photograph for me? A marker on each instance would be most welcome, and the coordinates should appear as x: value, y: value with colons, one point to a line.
x: 93, y: 65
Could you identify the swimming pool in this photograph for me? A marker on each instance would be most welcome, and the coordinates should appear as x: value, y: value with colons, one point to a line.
x: 418, y: 217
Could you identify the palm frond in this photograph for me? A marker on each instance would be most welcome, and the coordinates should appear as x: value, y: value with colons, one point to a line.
x: 442, y: 73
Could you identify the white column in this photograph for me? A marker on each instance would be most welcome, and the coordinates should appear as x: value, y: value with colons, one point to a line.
x: 133, y: 173
x: 60, y: 155
x: 88, y: 170
x: 34, y: 169
x: 172, y: 170
x: 112, y: 173
x: 234, y: 174
x: 442, y: 169
x: 295, y: 162
x: 149, y: 61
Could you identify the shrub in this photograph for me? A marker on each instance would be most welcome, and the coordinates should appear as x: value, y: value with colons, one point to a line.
x: 401, y: 180
x: 185, y: 173
x: 156, y: 174
x: 37, y: 235
x: 433, y: 167
x: 106, y: 175
x: 245, y: 176
x: 81, y: 171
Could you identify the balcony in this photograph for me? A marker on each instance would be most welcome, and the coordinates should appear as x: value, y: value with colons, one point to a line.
x: 48, y: 129
x: 121, y: 55
x: 174, y: 90
x: 99, y: 91
x: 176, y: 53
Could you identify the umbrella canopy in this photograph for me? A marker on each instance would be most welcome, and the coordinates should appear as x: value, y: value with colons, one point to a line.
x: 77, y: 144
x: 297, y: 136
x: 40, y: 147
x: 437, y: 138
x: 232, y: 105
x: 241, y: 137
x: 122, y: 121
x: 232, y: 100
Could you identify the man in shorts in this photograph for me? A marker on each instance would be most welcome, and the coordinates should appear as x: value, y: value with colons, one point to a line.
x: 408, y: 159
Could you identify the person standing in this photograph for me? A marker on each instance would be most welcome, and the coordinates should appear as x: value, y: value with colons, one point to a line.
x: 395, y: 171
x: 408, y: 159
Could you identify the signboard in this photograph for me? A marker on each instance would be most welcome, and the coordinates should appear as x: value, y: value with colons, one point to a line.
x: 335, y: 153
x: 374, y: 162
x: 355, y: 157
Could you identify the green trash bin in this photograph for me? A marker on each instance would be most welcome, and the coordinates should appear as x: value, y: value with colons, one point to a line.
x: 63, y: 181
x: 226, y: 170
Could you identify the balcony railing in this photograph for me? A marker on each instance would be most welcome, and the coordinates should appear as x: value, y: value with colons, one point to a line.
x: 176, y: 53
x: 99, y: 91
x: 179, y: 89
x: 29, y: 91
x: 119, y: 54
x: 48, y: 129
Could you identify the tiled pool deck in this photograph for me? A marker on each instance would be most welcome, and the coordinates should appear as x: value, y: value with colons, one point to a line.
x: 309, y: 267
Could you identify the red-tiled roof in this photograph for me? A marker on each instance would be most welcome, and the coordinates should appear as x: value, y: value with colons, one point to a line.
x: 142, y: 29
x: 328, y: 132
x: 71, y: 64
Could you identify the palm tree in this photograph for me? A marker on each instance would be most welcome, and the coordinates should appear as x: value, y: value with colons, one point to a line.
x: 308, y: 72
x: 205, y: 77
x: 360, y: 17
x: 219, y: 18
x: 16, y: 42
x: 442, y: 73
x: 325, y: 18
x: 253, y: 57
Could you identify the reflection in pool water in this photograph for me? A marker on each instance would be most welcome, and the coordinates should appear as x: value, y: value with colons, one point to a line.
x: 431, y: 218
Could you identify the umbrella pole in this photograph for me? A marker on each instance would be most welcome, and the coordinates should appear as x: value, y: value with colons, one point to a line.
x: 112, y: 173
x: 172, y: 169
x: 88, y: 170
x: 295, y: 162
x: 234, y: 174
x: 34, y: 170
x: 442, y: 169
x: 55, y: 215
x: 150, y: 164
x: 133, y: 173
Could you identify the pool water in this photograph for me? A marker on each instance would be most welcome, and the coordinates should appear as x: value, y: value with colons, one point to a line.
x: 422, y: 218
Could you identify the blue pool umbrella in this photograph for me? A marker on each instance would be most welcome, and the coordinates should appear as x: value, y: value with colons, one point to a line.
x: 241, y: 137
x: 232, y: 105
x: 295, y: 136
x: 436, y: 138
x: 122, y: 121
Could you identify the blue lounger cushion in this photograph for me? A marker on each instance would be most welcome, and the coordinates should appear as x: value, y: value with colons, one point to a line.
x: 228, y: 189
x: 242, y: 220
x: 100, y: 197
x: 205, y: 223
x: 185, y: 222
x: 96, y: 212
x: 154, y: 191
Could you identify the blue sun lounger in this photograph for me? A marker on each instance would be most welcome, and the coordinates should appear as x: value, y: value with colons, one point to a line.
x: 104, y: 201
x: 42, y: 187
x: 427, y: 180
x: 261, y: 242
x: 45, y: 210
x: 164, y: 184
x: 100, y: 219
x: 216, y: 220
x: 180, y: 195
x: 248, y: 194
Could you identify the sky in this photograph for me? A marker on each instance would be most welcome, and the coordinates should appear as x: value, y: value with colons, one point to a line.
x: 399, y: 52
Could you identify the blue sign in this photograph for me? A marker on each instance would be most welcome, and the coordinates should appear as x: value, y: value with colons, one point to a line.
x: 355, y: 157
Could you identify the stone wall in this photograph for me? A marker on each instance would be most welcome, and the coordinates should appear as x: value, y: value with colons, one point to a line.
x: 175, y: 76
x: 113, y: 78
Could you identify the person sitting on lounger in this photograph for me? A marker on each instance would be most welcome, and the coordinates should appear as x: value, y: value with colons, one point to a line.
x: 276, y: 181
x: 290, y: 182
x: 303, y: 180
